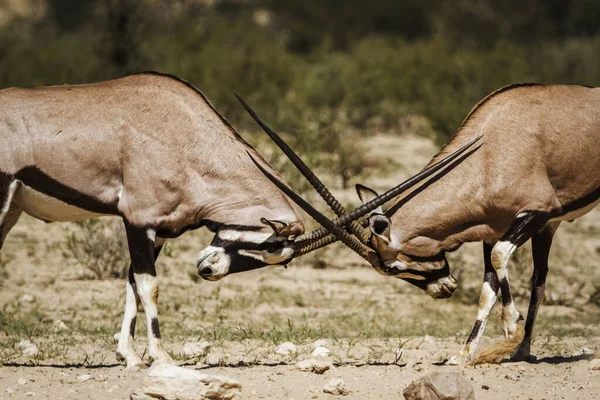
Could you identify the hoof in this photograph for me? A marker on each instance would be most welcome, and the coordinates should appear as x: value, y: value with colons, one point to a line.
x: 136, y: 366
x: 457, y: 360
x: 162, y: 360
x: 523, y: 358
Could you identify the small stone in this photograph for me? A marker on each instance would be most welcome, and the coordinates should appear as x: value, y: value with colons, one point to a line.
x: 26, y: 298
x: 595, y: 364
x: 84, y: 377
x: 335, y: 386
x: 440, y: 385
x: 10, y: 390
x: 196, y: 349
x: 116, y: 337
x: 30, y: 394
x: 286, y: 348
x: 59, y: 326
x: 321, y: 352
x: 22, y: 381
x: 320, y: 343
x: 583, y: 352
x: 167, y: 381
x: 511, y: 377
x: 27, y: 348
x: 316, y: 366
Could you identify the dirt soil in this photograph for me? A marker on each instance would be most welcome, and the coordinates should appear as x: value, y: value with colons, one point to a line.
x: 382, y: 332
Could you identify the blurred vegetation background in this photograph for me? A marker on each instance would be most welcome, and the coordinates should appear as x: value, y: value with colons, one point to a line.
x: 326, y: 70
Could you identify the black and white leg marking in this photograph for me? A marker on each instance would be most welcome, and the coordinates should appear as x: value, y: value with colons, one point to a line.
x: 9, y: 212
x: 540, y: 246
x: 142, y: 287
x: 125, y: 348
x: 524, y: 227
x: 487, y: 299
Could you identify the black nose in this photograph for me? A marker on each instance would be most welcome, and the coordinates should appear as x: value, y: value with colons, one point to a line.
x: 205, y: 272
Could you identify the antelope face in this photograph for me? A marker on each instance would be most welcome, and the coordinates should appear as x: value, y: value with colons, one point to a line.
x: 418, y: 261
x: 236, y: 248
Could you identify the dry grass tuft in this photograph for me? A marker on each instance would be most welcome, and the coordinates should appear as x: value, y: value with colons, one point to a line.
x: 100, y: 246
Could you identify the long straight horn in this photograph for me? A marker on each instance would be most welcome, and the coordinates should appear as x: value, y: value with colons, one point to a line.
x: 309, y: 240
x: 346, y: 238
x: 312, y: 178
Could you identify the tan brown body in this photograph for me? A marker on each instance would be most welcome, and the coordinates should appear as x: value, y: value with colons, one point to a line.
x: 539, y: 152
x: 151, y: 149
x: 538, y: 165
x: 148, y: 146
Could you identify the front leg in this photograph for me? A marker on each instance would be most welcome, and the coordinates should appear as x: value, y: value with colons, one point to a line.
x: 487, y: 299
x: 525, y: 226
x: 142, y: 250
x: 125, y: 348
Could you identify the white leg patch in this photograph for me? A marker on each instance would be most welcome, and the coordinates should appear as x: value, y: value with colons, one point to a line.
x: 11, y: 191
x: 147, y: 286
x: 510, y: 317
x: 125, y: 348
x: 500, y: 255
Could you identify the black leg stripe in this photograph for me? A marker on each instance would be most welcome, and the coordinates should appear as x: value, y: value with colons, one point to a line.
x: 475, y: 331
x: 506, y: 297
x: 155, y: 328
x: 132, y: 326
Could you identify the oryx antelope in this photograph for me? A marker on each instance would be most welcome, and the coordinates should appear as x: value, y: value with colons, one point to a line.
x: 151, y: 149
x: 537, y: 166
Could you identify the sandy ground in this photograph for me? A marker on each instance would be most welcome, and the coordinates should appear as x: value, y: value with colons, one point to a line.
x: 550, y: 378
x: 382, y: 332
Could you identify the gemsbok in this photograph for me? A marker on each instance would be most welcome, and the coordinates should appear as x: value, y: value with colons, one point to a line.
x: 537, y: 165
x: 151, y: 149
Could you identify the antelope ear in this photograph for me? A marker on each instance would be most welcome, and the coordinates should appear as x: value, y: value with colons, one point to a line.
x: 367, y: 194
x: 282, y: 229
x: 379, y: 223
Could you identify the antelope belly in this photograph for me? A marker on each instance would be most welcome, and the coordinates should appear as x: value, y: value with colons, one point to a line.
x: 47, y: 208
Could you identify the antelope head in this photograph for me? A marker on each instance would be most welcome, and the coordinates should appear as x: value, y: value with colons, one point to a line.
x: 372, y: 238
x: 239, y: 248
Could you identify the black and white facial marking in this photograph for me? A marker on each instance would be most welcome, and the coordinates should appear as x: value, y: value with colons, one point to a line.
x: 431, y: 274
x: 238, y: 248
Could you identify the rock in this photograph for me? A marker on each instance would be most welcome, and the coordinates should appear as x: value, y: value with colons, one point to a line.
x: 170, y: 382
x: 335, y: 386
x: 27, y: 348
x: 320, y: 343
x: 10, y: 390
x: 583, y: 352
x: 196, y: 349
x: 29, y: 394
x: 316, y: 366
x: 286, y: 348
x: 26, y: 298
x: 440, y: 386
x: 595, y: 364
x: 511, y: 377
x: 21, y: 381
x: 84, y: 377
x: 321, y: 352
x: 116, y: 337
x: 59, y: 326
